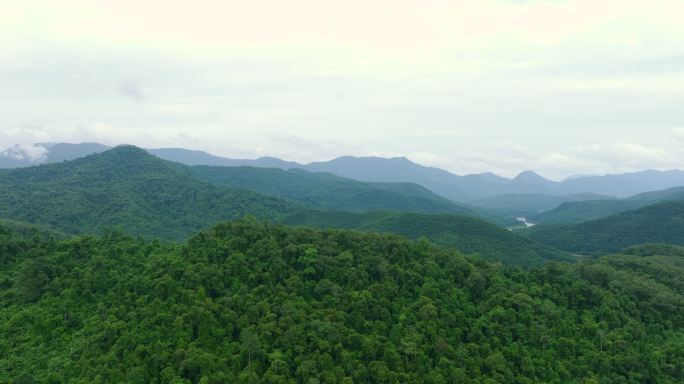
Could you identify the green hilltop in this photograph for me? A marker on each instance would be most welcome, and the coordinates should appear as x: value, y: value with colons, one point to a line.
x: 126, y: 187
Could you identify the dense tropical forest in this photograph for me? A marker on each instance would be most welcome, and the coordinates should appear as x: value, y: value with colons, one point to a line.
x: 129, y: 188
x: 113, y: 269
x: 248, y: 302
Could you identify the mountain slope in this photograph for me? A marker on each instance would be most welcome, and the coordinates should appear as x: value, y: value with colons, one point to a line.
x: 125, y: 186
x: 250, y: 303
x: 579, y: 211
x: 328, y: 191
x: 467, y: 234
x: 656, y: 223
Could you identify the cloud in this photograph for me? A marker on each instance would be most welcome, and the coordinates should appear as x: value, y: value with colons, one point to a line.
x: 678, y: 133
x: 470, y: 87
x: 638, y: 154
x: 34, y: 153
x: 614, y: 157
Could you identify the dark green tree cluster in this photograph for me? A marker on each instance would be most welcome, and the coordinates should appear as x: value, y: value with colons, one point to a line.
x: 247, y: 302
x: 466, y: 234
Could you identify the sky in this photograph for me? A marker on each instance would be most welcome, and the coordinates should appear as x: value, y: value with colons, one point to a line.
x: 560, y: 87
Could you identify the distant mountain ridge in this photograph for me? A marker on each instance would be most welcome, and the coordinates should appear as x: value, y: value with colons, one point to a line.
x: 466, y: 188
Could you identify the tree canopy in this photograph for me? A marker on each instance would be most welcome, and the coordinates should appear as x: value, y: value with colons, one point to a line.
x: 249, y: 302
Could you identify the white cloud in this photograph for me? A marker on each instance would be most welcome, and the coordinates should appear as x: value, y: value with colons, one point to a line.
x: 678, y: 133
x: 34, y: 153
x: 609, y: 158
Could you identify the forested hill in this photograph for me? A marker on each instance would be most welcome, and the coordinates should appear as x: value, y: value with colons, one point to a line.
x: 251, y: 303
x: 579, y: 211
x: 466, y: 234
x: 126, y: 187
x: 656, y: 223
x: 330, y: 192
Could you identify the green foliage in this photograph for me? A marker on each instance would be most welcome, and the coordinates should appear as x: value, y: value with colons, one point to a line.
x: 246, y: 302
x: 27, y: 229
x: 656, y: 223
x: 654, y: 250
x: 466, y: 234
x: 129, y: 188
x: 329, y: 192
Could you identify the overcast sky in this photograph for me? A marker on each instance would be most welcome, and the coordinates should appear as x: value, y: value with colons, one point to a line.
x: 561, y: 87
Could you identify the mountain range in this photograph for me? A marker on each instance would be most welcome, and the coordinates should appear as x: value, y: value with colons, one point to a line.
x: 128, y: 187
x: 467, y: 188
x: 144, y: 195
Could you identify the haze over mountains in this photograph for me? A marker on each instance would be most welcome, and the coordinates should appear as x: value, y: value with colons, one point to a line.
x: 468, y: 188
